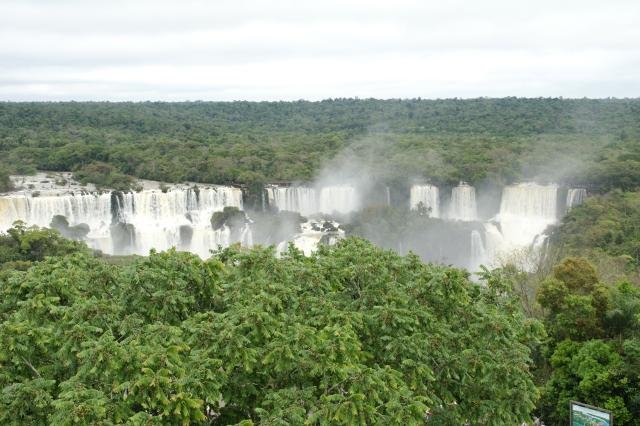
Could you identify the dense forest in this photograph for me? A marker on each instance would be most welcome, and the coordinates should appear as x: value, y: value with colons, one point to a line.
x: 595, y: 142
x: 354, y: 333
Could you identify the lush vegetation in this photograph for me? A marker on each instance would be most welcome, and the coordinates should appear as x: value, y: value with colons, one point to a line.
x: 604, y: 226
x: 21, y: 246
x: 230, y: 216
x: 593, y: 350
x: 591, y: 141
x: 5, y: 182
x: 104, y: 175
x: 351, y: 335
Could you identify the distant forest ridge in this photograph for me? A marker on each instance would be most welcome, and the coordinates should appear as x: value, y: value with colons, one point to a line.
x: 588, y: 141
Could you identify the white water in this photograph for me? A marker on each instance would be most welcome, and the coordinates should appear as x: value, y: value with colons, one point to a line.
x: 301, y: 199
x: 309, y: 201
x: 428, y: 195
x: 310, y: 236
x: 463, y: 203
x: 91, y: 209
x: 526, y: 210
x: 181, y: 217
x: 575, y: 197
x: 478, y: 252
x: 338, y: 199
x: 156, y: 216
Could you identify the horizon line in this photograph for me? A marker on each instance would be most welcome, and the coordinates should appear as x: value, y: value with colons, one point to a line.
x: 302, y: 100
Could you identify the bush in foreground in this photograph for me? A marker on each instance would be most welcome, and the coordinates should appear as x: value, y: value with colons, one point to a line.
x: 351, y: 335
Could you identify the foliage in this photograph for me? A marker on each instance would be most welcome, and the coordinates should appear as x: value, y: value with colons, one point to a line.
x: 230, y: 216
x: 104, y: 175
x: 75, y: 232
x: 5, y: 183
x: 593, y: 351
x: 604, y: 225
x: 351, y: 335
x: 576, y: 140
x: 22, y: 245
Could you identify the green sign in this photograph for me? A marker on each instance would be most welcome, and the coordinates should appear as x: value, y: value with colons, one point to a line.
x: 587, y: 415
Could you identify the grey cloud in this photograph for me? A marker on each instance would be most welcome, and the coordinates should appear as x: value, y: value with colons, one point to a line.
x: 290, y: 49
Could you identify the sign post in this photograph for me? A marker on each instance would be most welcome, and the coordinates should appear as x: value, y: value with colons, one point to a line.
x: 588, y: 415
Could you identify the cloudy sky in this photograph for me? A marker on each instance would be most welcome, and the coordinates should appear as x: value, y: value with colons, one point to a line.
x: 285, y: 50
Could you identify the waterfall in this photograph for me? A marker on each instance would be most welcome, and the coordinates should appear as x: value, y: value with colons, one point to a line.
x: 526, y: 210
x: 428, y: 195
x: 157, y: 217
x: 338, y: 199
x: 282, y: 247
x: 312, y: 234
x: 530, y: 200
x: 478, y: 252
x: 575, y: 197
x: 246, y: 237
x: 301, y: 199
x: 463, y: 203
x: 135, y: 222
x: 91, y: 209
x: 308, y: 201
x: 151, y: 218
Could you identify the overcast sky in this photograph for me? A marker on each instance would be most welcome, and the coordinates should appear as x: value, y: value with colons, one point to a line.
x: 286, y: 50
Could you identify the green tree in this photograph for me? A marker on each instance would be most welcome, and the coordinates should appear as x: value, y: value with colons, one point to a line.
x: 5, y: 183
x: 351, y: 335
x: 22, y: 245
x: 592, y: 351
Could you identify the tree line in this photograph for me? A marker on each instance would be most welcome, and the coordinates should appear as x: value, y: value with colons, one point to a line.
x: 476, y: 140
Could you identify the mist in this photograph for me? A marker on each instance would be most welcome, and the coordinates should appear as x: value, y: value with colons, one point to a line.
x: 452, y: 223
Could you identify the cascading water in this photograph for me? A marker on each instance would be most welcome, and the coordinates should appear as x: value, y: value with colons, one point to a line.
x: 246, y: 236
x: 158, y: 216
x: 301, y: 199
x: 91, y: 209
x: 338, y: 199
x: 309, y: 201
x: 575, y: 197
x: 148, y: 219
x: 428, y: 195
x: 135, y: 222
x: 526, y: 210
x: 478, y: 252
x: 312, y: 233
x: 463, y: 203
